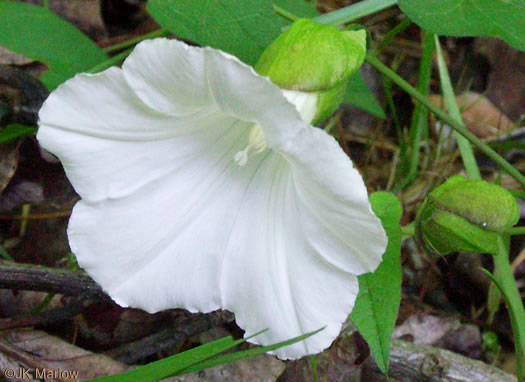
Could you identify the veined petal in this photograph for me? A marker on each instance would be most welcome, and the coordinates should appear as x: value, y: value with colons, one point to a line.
x: 111, y: 144
x: 168, y: 75
x: 162, y: 246
x: 335, y: 197
x: 175, y: 78
x: 304, y: 231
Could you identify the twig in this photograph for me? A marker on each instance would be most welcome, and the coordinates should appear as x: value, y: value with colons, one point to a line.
x: 52, y: 316
x: 411, y: 362
x: 51, y: 280
x: 169, y: 338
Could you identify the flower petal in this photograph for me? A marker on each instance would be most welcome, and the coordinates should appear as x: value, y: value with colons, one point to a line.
x: 175, y: 78
x: 168, y: 75
x: 111, y: 144
x: 335, y: 197
x: 162, y: 246
x: 303, y: 233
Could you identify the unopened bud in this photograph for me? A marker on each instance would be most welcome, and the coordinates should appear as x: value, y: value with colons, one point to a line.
x: 465, y: 215
x: 314, y: 58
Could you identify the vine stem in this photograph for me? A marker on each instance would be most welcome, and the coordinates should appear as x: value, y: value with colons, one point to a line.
x: 110, y: 61
x: 126, y: 44
x: 465, y: 149
x: 354, y: 11
x: 419, y: 122
x: 507, y: 284
x: 448, y: 119
x: 284, y: 13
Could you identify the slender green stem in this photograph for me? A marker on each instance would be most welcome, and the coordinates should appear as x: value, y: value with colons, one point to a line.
x: 419, y: 122
x: 354, y: 11
x: 45, y: 4
x: 392, y: 34
x: 465, y: 149
x: 510, y: 292
x: 483, y: 147
x: 125, y: 44
x: 284, y: 13
x: 387, y: 87
x: 110, y: 62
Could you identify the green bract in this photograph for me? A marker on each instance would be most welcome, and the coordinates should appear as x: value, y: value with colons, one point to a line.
x: 465, y: 215
x: 314, y: 58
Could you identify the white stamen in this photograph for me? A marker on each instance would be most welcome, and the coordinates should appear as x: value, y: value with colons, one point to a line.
x: 242, y: 157
x: 256, y: 144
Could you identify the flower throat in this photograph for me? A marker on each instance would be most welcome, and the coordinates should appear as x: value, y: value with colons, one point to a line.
x: 256, y: 144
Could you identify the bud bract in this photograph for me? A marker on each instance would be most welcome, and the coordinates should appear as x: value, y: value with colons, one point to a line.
x: 465, y: 215
x: 314, y: 58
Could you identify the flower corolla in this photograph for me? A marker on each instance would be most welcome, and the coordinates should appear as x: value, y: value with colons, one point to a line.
x: 203, y: 186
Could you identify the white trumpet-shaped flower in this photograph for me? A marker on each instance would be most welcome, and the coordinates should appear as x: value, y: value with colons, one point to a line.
x: 203, y: 187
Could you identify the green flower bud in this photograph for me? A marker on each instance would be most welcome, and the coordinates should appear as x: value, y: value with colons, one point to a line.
x: 465, y: 215
x: 314, y: 58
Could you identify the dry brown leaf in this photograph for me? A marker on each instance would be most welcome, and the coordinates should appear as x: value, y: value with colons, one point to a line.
x: 506, y: 82
x: 8, y: 57
x: 479, y: 114
x: 8, y: 163
x: 341, y: 362
x: 425, y: 329
x: 54, y: 353
x: 263, y: 368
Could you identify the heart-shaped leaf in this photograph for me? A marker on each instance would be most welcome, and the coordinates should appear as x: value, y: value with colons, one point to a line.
x: 493, y: 18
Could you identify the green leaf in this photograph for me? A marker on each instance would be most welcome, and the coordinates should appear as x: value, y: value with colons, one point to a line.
x: 165, y: 367
x: 12, y: 132
x: 227, y: 358
x: 358, y: 94
x: 493, y: 18
x: 240, y: 27
x: 39, y: 34
x: 379, y: 296
x: 200, y: 358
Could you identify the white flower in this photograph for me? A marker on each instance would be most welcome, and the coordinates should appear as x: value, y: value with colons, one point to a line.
x: 203, y: 188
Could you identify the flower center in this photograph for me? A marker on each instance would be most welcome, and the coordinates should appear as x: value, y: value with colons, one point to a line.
x: 256, y: 144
